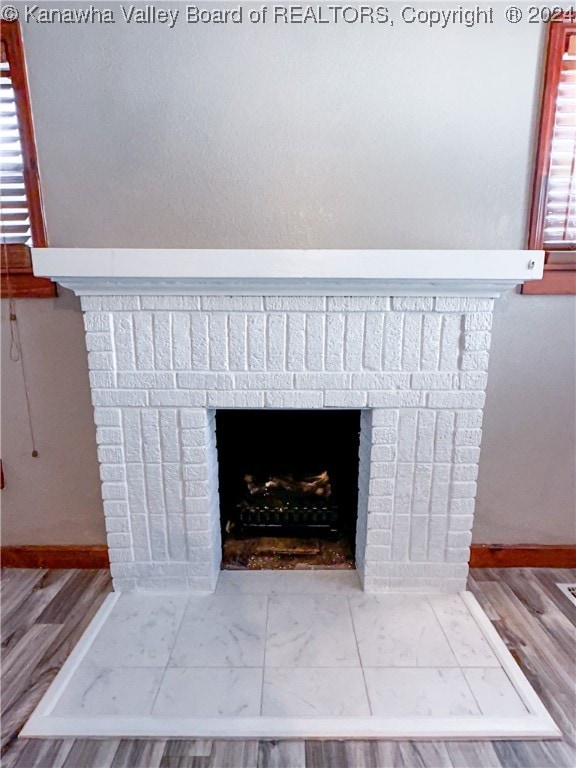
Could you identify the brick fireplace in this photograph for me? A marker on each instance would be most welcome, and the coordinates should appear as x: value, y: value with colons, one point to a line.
x: 173, y: 336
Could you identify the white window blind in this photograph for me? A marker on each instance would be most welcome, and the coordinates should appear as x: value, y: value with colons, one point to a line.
x: 559, y: 232
x: 14, y: 209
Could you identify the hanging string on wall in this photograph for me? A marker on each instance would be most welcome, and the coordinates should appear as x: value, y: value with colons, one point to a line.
x: 16, y: 354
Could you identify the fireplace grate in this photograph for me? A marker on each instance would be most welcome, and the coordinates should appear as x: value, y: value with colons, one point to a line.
x: 298, y: 520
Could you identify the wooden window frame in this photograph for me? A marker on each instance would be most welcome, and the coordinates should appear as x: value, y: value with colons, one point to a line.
x: 17, y: 277
x: 559, y: 274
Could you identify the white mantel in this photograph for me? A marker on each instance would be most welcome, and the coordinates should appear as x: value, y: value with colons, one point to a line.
x: 89, y: 271
x: 402, y: 336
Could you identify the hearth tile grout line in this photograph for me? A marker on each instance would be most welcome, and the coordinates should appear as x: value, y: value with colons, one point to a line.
x: 459, y: 666
x: 264, y: 656
x: 167, y: 665
x: 347, y: 598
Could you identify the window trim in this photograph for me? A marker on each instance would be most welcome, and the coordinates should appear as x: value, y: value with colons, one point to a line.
x: 559, y: 277
x: 18, y: 279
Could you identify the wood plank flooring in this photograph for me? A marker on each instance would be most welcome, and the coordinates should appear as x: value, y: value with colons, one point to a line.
x: 45, y: 612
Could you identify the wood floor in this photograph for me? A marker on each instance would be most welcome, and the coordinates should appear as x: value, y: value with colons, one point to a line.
x: 45, y: 612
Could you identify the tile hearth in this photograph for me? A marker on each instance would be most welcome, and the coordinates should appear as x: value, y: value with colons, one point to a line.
x: 283, y: 654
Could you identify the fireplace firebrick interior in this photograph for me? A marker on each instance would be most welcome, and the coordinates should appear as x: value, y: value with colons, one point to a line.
x: 288, y: 487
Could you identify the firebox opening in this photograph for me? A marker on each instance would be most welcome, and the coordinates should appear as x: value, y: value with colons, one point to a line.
x: 288, y: 488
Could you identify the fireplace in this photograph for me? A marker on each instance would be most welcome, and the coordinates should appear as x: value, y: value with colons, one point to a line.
x: 176, y: 337
x: 288, y: 487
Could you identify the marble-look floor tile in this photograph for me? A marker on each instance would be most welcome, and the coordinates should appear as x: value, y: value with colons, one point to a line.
x: 223, y: 692
x: 399, y: 631
x: 311, y: 582
x: 139, y: 632
x: 304, y: 692
x: 412, y: 692
x: 109, y: 691
x: 464, y: 635
x: 222, y: 631
x: 306, y: 678
x: 310, y: 631
x: 495, y: 694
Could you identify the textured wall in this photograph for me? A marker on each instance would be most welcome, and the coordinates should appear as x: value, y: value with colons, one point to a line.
x: 291, y: 137
x: 54, y: 498
x: 527, y: 481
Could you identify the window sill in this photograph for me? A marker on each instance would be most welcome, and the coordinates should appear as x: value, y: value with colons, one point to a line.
x: 559, y: 279
x: 18, y: 280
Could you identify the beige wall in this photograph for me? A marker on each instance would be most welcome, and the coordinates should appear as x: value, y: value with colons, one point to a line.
x: 54, y: 498
x: 527, y: 479
x: 304, y: 137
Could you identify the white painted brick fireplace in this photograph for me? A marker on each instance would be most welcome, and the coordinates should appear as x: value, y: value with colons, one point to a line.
x: 174, y: 336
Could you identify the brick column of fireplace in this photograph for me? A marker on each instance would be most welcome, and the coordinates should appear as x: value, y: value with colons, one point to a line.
x: 161, y: 365
x: 174, y: 335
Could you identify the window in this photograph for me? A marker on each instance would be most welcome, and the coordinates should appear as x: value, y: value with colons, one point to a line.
x: 553, y: 214
x: 22, y: 221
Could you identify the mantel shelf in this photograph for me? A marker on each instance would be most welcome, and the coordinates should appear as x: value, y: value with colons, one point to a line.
x: 113, y: 271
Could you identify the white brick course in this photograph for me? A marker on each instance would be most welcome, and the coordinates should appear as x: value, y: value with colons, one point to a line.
x: 445, y: 381
x: 453, y: 400
x: 161, y: 365
x: 335, y: 324
x: 477, y: 341
x: 193, y: 399
x: 323, y: 381
x: 97, y: 321
x: 467, y: 304
x: 340, y: 399
x: 232, y: 303
x: 119, y: 397
x: 358, y: 303
x: 123, y: 342
x: 410, y: 304
x: 373, y: 349
x: 450, y: 342
x: 107, y: 417
x: 474, y: 361
x: 314, y: 342
x: 98, y: 342
x: 478, y: 321
x: 102, y: 379
x: 100, y: 361
x: 475, y: 381
x: 431, y: 333
x: 170, y: 302
x: 294, y: 399
x: 397, y: 399
x: 295, y: 303
x: 205, y: 381
x: 235, y: 400
x: 109, y: 303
